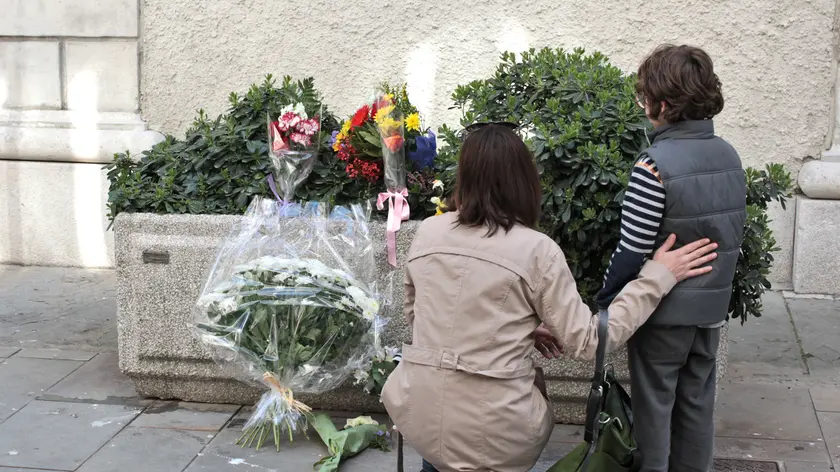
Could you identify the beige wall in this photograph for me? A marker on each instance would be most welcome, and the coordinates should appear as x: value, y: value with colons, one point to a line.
x: 774, y: 57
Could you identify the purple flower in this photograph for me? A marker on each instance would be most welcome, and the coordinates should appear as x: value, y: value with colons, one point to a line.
x: 424, y: 156
x: 332, y: 139
x: 380, y: 433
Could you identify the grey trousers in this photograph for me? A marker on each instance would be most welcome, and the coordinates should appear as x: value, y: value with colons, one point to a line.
x: 672, y: 381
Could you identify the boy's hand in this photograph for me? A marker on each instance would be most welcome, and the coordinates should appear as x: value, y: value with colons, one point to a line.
x: 546, y: 343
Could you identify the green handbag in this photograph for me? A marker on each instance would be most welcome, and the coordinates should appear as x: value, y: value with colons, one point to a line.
x: 608, y: 436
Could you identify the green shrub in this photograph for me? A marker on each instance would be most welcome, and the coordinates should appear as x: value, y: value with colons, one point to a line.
x: 586, y: 132
x: 221, y: 164
x: 580, y: 118
x: 772, y: 184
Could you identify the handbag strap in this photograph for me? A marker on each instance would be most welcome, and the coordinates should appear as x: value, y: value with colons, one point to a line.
x: 399, y: 452
x: 596, y: 392
x: 595, y: 403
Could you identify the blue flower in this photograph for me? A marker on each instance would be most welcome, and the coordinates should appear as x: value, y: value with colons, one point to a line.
x: 424, y: 156
x: 332, y: 139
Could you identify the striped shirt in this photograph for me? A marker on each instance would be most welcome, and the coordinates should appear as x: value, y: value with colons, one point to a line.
x: 641, y: 215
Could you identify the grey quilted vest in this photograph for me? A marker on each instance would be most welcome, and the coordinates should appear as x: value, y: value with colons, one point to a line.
x: 705, y: 197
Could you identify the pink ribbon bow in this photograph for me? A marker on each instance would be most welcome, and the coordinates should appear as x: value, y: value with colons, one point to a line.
x: 398, y: 212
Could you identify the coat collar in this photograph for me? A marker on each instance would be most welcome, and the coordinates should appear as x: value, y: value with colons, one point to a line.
x: 691, y: 129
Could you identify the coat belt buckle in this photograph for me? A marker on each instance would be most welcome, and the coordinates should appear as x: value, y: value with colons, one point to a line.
x: 448, y: 360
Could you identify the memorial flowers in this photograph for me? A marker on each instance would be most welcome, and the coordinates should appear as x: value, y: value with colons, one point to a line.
x: 294, y: 138
x: 292, y: 302
x: 359, y: 144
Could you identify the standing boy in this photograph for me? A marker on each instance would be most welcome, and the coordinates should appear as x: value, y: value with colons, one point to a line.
x: 691, y: 183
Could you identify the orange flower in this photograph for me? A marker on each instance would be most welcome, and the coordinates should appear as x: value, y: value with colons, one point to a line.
x: 394, y: 142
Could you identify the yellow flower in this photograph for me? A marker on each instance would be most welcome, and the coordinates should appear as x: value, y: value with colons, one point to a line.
x: 389, y: 126
x: 412, y: 122
x: 440, y: 206
x: 345, y: 128
x: 383, y: 113
x: 338, y: 138
x: 358, y: 421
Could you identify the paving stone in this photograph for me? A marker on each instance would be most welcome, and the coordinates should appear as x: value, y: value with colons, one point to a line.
x: 808, y: 467
x: 99, y: 380
x: 830, y: 424
x: 301, y: 454
x: 9, y: 469
x: 60, y: 436
x: 770, y: 450
x: 767, y: 412
x: 554, y: 451
x: 21, y: 380
x: 143, y: 449
x: 766, y: 346
x: 818, y: 322
x: 8, y: 351
x: 58, y: 307
x: 61, y: 354
x: 826, y: 398
x: 186, y: 416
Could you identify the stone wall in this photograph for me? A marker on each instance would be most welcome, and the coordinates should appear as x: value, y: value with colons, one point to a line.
x: 775, y: 59
x: 69, y: 100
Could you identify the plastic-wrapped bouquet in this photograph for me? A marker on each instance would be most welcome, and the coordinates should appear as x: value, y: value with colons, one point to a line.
x: 292, y: 298
x: 293, y: 147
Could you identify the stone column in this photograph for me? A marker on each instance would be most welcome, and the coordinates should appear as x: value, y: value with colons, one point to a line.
x: 816, y: 252
x: 69, y: 100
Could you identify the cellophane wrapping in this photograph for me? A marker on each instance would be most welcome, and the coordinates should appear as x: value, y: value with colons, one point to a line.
x: 390, y: 123
x: 292, y: 301
x: 293, y: 144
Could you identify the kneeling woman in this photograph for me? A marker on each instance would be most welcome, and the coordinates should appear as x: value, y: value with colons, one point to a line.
x: 479, y: 282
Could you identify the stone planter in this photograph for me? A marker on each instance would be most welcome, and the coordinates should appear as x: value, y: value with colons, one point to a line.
x: 162, y: 261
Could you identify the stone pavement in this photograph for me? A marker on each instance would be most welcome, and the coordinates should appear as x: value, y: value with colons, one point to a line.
x: 64, y: 406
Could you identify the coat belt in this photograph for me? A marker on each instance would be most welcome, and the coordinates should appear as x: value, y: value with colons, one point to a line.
x: 446, y: 359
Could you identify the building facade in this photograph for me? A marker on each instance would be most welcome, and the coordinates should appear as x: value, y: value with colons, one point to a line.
x: 80, y: 80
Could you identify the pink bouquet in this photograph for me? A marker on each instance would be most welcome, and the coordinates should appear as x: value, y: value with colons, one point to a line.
x: 293, y: 130
x: 293, y: 148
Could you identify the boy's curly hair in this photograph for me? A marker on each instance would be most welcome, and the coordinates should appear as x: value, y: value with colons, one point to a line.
x: 684, y: 78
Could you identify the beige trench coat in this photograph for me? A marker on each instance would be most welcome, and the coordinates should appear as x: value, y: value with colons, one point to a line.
x: 464, y: 396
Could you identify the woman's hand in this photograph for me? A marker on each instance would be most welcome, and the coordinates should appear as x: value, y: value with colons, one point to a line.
x: 685, y: 262
x: 546, y: 343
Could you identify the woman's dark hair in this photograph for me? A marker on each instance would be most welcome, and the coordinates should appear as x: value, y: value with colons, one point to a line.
x: 684, y: 78
x: 498, y: 184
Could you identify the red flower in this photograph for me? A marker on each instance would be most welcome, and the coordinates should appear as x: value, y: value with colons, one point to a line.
x: 379, y: 104
x: 394, y: 142
x: 301, y: 139
x: 309, y: 127
x: 361, y: 116
x: 345, y: 152
x: 288, y: 121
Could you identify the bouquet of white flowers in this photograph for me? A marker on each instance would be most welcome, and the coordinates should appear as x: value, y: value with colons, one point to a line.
x: 294, y: 301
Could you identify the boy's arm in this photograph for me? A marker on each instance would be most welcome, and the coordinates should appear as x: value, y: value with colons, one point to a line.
x: 641, y: 215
